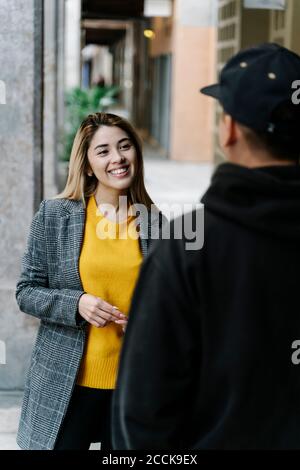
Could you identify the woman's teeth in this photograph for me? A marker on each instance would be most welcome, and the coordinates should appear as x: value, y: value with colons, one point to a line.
x: 119, y: 171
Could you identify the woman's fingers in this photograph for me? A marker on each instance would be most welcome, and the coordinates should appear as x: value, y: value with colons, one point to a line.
x: 98, y: 322
x: 111, y: 309
x: 102, y: 318
x: 108, y: 317
x: 98, y: 312
x: 95, y: 309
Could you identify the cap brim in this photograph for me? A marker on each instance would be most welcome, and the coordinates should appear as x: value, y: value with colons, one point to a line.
x: 212, y: 90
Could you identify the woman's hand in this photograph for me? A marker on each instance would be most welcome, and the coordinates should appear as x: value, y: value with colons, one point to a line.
x: 97, y: 312
x: 123, y: 323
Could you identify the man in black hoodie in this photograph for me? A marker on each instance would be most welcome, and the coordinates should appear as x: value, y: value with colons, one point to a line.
x: 208, y: 359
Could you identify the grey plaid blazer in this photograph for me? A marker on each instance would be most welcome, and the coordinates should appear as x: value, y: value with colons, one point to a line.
x: 49, y: 288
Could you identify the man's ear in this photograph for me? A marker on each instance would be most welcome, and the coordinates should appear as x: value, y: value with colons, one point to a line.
x: 229, y: 131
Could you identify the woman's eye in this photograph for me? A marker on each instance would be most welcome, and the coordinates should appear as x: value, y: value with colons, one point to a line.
x: 126, y: 147
x: 104, y: 152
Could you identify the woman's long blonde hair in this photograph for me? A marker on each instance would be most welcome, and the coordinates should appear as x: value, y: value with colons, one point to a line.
x: 79, y: 185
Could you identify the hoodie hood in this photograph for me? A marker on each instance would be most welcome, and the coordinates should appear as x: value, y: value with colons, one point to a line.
x: 265, y: 199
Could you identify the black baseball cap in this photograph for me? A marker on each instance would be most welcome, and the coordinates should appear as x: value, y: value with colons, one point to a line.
x: 254, y: 82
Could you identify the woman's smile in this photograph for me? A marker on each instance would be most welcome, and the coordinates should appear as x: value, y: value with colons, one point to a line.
x: 120, y: 172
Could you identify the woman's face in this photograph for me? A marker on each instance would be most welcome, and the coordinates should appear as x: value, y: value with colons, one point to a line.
x: 112, y: 157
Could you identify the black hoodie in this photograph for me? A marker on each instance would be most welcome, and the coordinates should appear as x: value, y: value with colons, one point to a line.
x: 207, y: 357
x: 265, y: 200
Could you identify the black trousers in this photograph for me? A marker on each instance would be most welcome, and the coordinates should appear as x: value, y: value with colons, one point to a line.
x: 88, y: 419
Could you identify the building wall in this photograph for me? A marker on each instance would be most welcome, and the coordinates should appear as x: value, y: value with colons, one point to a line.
x: 72, y: 44
x: 194, y: 40
x: 239, y: 28
x: 190, y: 37
x: 60, y: 80
x: 127, y: 71
x: 162, y: 43
x: 294, y: 33
x: 52, y: 35
x: 32, y: 48
x: 284, y: 26
x: 140, y: 79
x: 102, y: 66
x: 21, y: 173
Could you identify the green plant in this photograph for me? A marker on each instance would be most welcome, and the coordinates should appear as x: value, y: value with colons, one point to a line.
x: 79, y: 104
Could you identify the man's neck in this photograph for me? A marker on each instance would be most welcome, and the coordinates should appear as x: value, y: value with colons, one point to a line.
x: 249, y: 160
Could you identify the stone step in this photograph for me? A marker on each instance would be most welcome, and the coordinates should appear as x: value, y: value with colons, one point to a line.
x: 8, y: 441
x: 9, y: 420
x: 10, y: 408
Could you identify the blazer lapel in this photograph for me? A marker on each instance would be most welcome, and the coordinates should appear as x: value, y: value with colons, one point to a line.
x: 71, y: 238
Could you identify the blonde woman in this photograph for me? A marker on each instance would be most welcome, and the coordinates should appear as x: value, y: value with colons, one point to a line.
x: 83, y: 257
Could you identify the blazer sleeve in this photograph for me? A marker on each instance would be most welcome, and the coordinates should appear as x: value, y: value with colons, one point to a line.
x: 33, y: 294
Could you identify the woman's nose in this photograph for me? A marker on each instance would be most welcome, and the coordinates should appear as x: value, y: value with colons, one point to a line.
x: 117, y: 157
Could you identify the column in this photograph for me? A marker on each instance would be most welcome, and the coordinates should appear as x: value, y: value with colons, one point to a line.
x: 21, y: 170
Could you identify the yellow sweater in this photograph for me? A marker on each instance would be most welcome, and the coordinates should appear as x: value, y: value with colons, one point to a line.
x: 108, y: 268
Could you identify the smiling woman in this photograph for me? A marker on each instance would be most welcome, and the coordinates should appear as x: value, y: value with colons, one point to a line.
x: 83, y: 311
x: 105, y: 143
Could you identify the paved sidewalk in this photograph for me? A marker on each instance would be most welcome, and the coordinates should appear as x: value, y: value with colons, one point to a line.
x: 171, y: 182
x: 167, y: 182
x: 10, y: 403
